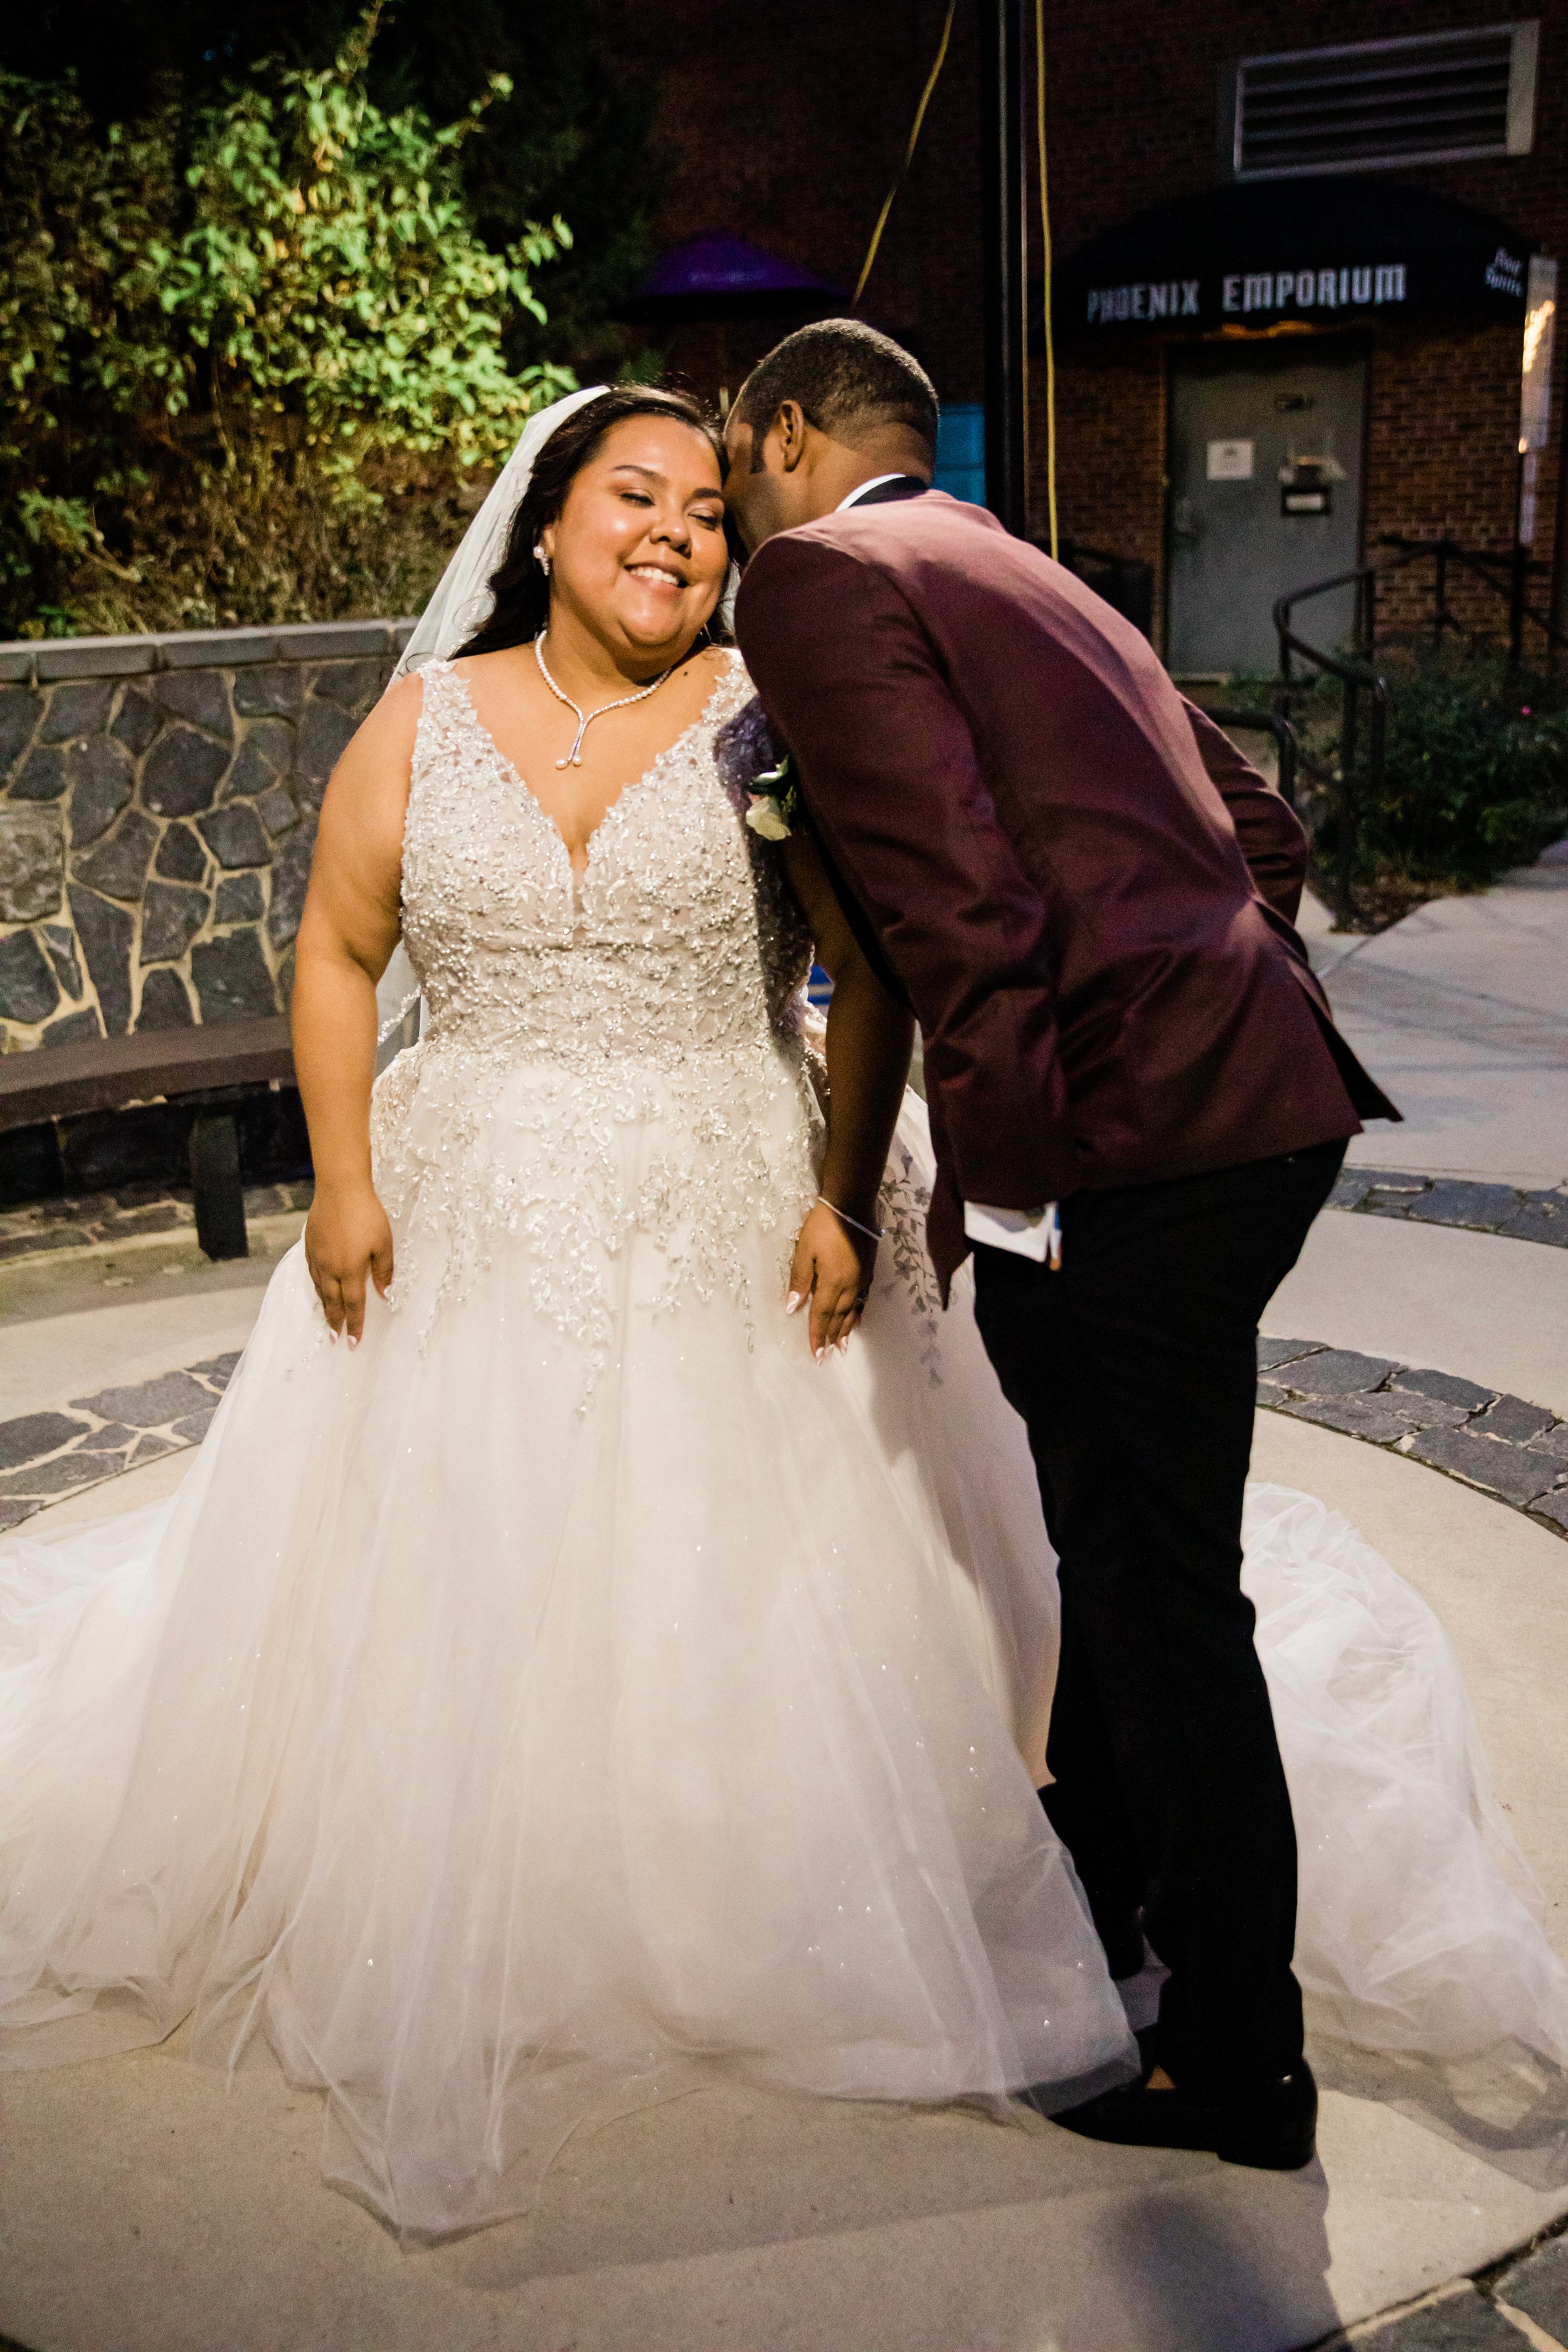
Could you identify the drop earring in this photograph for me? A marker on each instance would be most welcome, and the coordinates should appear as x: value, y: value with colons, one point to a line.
x: 543, y: 560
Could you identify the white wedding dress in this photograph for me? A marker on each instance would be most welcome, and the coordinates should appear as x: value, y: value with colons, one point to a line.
x: 576, y: 1693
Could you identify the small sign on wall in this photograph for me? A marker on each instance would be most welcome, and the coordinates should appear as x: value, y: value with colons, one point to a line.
x: 1230, y: 461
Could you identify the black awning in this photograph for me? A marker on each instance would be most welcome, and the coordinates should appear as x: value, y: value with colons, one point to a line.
x: 1319, y: 252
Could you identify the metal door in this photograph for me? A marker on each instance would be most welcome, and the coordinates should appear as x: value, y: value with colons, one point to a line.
x: 1265, y: 465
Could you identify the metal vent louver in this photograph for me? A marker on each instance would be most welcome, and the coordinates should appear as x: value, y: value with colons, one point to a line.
x: 1374, y: 103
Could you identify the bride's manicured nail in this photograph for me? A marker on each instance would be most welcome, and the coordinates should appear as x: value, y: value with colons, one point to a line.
x: 796, y: 1299
x: 354, y: 1343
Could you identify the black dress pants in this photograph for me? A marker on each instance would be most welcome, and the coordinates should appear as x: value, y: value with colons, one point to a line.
x: 1135, y: 1367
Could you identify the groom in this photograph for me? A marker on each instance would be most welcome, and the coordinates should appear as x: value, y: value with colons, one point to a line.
x: 1138, y: 1102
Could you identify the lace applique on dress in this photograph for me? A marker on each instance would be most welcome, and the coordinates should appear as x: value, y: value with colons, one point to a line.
x: 660, y: 989
x: 904, y: 1199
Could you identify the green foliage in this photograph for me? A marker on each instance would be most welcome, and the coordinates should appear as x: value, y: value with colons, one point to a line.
x: 575, y: 142
x: 332, y: 276
x: 1477, y: 772
x: 577, y: 146
x: 249, y: 361
x: 1475, y: 777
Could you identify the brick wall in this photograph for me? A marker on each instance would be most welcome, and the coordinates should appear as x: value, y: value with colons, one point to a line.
x: 1133, y: 111
x: 786, y: 124
x: 1442, y: 436
x: 1110, y: 445
x: 1441, y: 433
x: 157, y: 801
x: 1133, y: 102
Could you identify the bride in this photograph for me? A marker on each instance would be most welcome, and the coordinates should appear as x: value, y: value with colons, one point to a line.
x: 572, y: 1670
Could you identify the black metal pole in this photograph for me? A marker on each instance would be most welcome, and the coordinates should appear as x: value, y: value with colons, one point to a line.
x: 1002, y: 196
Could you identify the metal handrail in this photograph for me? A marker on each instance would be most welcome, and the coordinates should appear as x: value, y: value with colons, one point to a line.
x: 1520, y: 563
x: 1351, y: 789
x: 1267, y: 722
x: 1355, y: 786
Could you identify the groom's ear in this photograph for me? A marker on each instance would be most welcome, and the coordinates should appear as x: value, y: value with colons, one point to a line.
x: 790, y: 428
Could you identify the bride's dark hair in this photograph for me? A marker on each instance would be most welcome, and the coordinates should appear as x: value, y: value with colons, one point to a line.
x: 519, y: 584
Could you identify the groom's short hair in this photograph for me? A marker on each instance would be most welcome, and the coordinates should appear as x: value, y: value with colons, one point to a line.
x: 849, y: 380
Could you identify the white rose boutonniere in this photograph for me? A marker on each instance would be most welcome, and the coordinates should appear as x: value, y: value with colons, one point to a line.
x: 775, y: 801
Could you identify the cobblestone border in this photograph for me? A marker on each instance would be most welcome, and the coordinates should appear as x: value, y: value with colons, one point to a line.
x: 1523, y: 2299
x: 44, y: 1456
x: 45, y: 1227
x: 1506, y: 1448
x: 1509, y: 1449
x: 1507, y: 1209
x: 1541, y: 1216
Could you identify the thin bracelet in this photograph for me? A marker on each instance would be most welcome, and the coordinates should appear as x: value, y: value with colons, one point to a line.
x: 872, y: 1233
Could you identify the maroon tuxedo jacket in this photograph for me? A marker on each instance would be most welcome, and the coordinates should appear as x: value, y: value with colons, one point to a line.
x: 1084, y: 892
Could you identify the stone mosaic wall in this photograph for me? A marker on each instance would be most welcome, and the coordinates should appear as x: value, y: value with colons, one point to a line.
x: 158, y: 802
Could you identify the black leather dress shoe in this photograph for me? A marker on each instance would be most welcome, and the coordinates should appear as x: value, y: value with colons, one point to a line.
x: 1275, y: 2130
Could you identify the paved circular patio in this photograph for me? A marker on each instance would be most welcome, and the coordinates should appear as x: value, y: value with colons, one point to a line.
x: 144, y: 2209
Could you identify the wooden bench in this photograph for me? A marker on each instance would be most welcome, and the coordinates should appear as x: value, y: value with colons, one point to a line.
x: 210, y: 1068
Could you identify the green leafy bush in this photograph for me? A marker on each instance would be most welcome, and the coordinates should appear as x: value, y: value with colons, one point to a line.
x: 1476, y: 779
x: 253, y: 364
x: 1477, y: 775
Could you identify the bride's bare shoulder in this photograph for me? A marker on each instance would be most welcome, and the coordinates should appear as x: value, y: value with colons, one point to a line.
x: 467, y: 666
x: 400, y: 706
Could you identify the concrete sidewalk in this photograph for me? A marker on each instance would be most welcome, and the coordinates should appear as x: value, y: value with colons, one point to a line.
x: 1461, y: 1013
x: 1472, y: 1304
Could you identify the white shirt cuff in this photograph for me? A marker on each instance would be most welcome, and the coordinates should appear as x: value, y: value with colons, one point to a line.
x: 1028, y: 1232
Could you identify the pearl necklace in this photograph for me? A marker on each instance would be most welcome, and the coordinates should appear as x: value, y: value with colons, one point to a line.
x: 585, y: 719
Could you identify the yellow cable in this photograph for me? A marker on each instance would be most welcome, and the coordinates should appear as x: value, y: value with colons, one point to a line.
x: 1046, y: 245
x: 908, y: 156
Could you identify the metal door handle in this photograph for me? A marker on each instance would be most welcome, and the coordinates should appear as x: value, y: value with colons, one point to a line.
x: 1186, y: 522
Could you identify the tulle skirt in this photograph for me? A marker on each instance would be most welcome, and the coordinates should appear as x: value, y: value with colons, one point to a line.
x: 512, y: 1740
x: 1417, y: 1924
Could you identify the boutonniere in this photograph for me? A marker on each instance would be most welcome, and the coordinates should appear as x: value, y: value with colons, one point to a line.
x: 775, y: 801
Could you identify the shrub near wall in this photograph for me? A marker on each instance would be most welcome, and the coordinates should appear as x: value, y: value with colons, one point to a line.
x: 1477, y: 771
x: 253, y: 358
x: 158, y: 803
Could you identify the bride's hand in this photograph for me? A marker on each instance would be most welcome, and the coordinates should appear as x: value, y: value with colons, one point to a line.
x: 831, y: 1270
x: 347, y: 1237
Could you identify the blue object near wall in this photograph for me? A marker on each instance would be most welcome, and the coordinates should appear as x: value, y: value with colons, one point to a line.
x: 961, y: 451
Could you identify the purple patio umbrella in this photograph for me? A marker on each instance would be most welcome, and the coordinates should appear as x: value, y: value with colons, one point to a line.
x: 718, y: 276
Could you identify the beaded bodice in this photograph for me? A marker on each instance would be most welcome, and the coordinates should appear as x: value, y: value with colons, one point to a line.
x: 676, y: 941
x: 605, y: 1055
